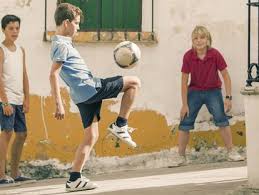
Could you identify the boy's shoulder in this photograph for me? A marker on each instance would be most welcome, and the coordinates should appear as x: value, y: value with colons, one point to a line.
x: 59, y: 45
x: 214, y: 52
x: 188, y: 54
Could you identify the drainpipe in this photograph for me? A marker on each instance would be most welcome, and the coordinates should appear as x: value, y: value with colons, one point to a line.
x: 45, y: 22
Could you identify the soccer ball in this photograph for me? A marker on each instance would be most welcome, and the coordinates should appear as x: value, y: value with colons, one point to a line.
x: 126, y: 54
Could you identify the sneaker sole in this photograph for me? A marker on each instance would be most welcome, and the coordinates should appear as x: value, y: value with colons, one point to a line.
x: 231, y: 160
x: 27, y: 182
x: 81, y: 189
x: 177, y: 165
x: 123, y: 140
x: 10, y: 185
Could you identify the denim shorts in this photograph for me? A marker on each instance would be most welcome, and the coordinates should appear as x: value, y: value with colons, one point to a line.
x: 214, y: 102
x: 110, y: 88
x: 14, y: 122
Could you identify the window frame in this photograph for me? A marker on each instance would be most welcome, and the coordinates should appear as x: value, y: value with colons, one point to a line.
x: 112, y: 29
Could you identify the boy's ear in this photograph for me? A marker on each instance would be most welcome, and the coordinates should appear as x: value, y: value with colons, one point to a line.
x: 65, y: 22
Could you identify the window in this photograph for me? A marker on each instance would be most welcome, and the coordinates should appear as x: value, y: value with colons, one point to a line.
x: 110, y: 15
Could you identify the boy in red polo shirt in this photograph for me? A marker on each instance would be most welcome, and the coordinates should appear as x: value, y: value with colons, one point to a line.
x: 203, y: 63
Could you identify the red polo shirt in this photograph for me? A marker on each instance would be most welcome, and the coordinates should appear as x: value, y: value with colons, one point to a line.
x: 204, y: 73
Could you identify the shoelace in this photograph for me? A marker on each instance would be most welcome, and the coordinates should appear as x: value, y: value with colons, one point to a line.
x: 128, y: 129
x: 85, y: 179
x: 131, y: 129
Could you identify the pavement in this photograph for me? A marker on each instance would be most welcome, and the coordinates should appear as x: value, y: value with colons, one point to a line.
x: 201, y: 179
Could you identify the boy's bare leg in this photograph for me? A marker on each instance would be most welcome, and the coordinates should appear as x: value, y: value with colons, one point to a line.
x: 119, y: 128
x: 16, y: 153
x: 91, y: 135
x: 131, y: 84
x: 5, y: 137
x: 227, y: 137
x: 183, y: 142
x: 76, y: 182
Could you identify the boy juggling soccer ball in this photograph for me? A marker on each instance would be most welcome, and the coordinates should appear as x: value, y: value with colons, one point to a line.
x: 86, y: 91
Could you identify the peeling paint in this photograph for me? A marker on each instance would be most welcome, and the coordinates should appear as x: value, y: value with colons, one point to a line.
x: 23, y: 3
x: 53, y: 168
x: 59, y: 139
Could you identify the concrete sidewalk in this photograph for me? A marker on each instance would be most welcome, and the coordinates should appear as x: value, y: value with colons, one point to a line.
x: 211, y: 179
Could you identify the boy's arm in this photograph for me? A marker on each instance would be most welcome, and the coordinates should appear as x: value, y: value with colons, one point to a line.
x: 184, y: 91
x: 25, y: 86
x: 185, y: 78
x: 2, y: 91
x: 55, y: 90
x: 7, y: 108
x: 227, y: 83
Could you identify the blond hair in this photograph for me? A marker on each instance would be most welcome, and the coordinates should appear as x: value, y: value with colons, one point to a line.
x: 202, y: 31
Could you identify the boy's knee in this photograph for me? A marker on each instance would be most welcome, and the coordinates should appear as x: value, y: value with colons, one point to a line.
x: 21, y: 136
x: 7, y: 135
x: 91, y: 138
x: 137, y: 82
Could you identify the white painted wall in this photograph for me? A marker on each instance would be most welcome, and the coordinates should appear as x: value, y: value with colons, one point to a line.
x: 161, y: 63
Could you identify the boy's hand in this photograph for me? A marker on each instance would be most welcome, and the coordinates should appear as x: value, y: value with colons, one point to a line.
x: 184, y: 112
x: 60, y: 112
x: 227, y: 105
x: 26, y: 106
x: 7, y: 109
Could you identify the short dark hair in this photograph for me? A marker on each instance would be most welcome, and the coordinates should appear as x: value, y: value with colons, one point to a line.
x: 66, y: 11
x: 9, y: 18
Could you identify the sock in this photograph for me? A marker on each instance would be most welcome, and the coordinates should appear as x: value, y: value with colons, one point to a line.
x: 74, y: 176
x: 120, y: 122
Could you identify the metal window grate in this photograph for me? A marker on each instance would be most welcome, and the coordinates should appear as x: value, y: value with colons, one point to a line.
x: 100, y: 27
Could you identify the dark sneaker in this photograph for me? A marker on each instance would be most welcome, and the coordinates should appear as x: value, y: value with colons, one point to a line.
x: 7, y: 181
x: 24, y: 179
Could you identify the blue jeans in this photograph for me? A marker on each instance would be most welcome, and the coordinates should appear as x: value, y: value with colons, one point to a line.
x: 14, y: 122
x: 214, y: 102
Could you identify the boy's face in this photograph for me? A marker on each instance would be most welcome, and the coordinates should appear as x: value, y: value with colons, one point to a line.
x: 200, y: 41
x: 11, y: 31
x: 73, y: 26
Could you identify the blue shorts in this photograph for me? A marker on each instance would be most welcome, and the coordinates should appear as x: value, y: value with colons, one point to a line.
x: 111, y: 87
x: 14, y: 122
x: 214, y: 102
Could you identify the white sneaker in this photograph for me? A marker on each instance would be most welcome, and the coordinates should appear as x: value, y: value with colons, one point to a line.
x: 234, y: 156
x: 80, y: 184
x: 180, y: 160
x: 122, y: 133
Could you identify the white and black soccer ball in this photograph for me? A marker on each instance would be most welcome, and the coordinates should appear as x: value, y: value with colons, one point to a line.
x: 126, y: 54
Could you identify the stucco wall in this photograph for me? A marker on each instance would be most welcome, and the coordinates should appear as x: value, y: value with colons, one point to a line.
x: 156, y: 109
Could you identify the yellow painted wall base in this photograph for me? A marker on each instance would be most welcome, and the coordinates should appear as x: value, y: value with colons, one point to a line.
x: 61, y: 138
